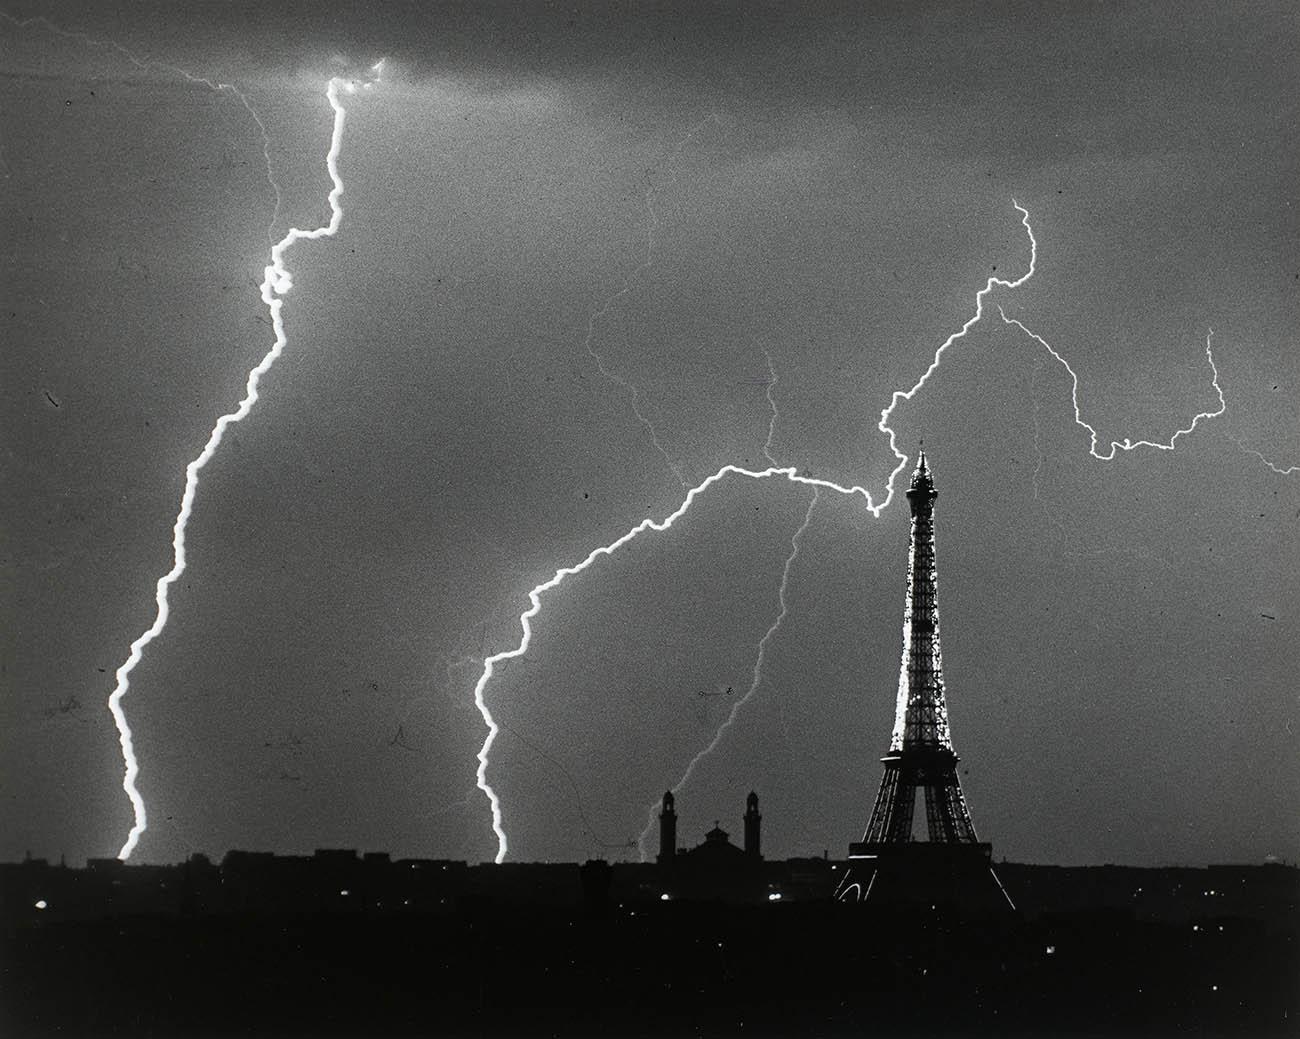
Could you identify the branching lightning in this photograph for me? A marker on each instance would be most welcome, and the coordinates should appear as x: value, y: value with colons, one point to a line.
x: 1257, y: 454
x: 756, y: 676
x: 146, y: 64
x: 1070, y: 548
x: 647, y: 261
x: 1126, y: 444
x: 276, y: 282
x: 771, y: 403
x: 791, y: 474
x: 595, y: 838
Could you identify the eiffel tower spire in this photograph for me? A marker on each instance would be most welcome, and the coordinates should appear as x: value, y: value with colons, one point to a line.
x: 921, y: 716
x: 920, y: 749
x: 920, y: 753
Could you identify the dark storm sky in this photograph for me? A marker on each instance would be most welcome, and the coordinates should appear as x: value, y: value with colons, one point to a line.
x: 829, y: 186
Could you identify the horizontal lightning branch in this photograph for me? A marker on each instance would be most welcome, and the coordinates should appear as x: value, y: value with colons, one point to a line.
x: 789, y: 473
x: 1260, y: 455
x: 1126, y: 444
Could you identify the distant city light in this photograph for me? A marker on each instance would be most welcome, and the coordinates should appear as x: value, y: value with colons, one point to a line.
x: 345, y: 892
x: 41, y: 903
x: 774, y: 896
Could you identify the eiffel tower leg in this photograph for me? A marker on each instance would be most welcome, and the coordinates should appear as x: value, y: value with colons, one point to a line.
x: 934, y: 820
x: 960, y: 814
x: 900, y: 823
x: 882, y: 815
x: 946, y: 813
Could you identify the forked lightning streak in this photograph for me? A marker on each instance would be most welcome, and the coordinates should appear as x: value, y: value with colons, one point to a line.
x: 647, y: 261
x: 1127, y: 444
x: 756, y: 676
x: 1260, y: 455
x: 791, y: 474
x: 276, y: 282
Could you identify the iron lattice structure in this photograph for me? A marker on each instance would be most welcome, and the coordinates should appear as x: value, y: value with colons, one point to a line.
x: 920, y: 750
x: 953, y: 867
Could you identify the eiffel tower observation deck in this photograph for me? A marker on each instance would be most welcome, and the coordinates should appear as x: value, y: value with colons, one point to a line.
x: 888, y: 863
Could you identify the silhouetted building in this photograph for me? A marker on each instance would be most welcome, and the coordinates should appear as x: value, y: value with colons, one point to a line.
x: 716, y: 869
x: 562, y: 949
x: 753, y: 825
x: 667, y: 830
x: 887, y: 865
x: 597, y: 877
x: 252, y: 885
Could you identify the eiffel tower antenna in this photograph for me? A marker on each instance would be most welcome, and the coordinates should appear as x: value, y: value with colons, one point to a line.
x: 921, y: 757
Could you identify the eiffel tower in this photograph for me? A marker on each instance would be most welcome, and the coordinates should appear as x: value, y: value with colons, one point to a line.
x: 887, y: 865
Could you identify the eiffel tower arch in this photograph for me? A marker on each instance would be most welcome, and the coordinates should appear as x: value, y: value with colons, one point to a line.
x: 888, y: 865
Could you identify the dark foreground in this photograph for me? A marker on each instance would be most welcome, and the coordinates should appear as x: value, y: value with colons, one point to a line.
x: 674, y: 968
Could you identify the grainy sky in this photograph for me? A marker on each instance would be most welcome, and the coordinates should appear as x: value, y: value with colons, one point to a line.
x: 827, y: 186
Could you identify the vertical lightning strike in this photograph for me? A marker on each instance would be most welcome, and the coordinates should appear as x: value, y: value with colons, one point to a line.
x: 756, y: 676
x: 771, y: 403
x: 647, y: 261
x: 275, y: 283
x: 791, y: 474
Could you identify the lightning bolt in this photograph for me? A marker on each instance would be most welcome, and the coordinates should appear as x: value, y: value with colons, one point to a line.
x: 771, y: 403
x: 1251, y: 451
x: 1126, y: 444
x: 756, y: 677
x: 791, y: 474
x: 595, y: 838
x: 647, y: 261
x: 757, y: 674
x: 1069, y: 546
x: 145, y: 64
x: 276, y: 282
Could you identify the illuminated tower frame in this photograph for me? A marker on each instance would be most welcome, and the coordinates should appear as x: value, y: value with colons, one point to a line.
x: 920, y: 751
